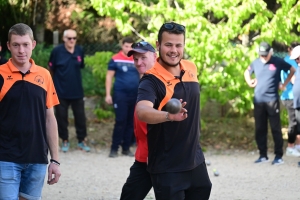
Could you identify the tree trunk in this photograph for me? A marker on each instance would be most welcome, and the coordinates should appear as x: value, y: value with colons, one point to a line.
x: 39, y: 12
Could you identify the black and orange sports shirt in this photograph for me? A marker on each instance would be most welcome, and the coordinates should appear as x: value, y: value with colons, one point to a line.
x: 173, y: 146
x: 24, y: 99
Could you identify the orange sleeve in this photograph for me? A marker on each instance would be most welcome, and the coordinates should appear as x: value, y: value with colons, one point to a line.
x: 52, y: 98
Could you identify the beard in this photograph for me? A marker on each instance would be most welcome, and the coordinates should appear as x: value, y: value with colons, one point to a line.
x: 167, y: 63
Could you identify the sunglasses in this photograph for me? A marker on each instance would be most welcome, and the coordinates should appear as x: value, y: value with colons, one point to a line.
x: 173, y: 26
x: 139, y: 44
x: 72, y: 38
x: 298, y: 58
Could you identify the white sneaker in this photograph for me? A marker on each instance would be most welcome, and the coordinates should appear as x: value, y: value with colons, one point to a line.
x: 297, y: 147
x: 292, y: 152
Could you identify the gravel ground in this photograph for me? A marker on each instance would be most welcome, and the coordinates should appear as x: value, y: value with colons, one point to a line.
x: 95, y: 176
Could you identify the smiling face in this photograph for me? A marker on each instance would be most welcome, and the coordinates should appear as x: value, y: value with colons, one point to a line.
x: 171, y: 49
x: 21, y: 49
x: 143, y: 61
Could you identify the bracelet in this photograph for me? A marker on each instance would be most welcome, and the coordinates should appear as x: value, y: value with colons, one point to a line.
x: 167, y: 117
x: 54, y: 162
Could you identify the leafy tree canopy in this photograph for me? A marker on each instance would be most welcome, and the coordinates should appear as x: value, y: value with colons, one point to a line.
x: 216, y: 30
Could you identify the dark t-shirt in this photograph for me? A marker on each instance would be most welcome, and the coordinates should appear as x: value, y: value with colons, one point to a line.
x: 66, y: 71
x: 296, y: 89
x: 268, y: 78
x: 173, y: 146
x: 126, y: 76
x: 24, y: 100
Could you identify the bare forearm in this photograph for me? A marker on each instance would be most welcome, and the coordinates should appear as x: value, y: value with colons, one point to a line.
x: 288, y: 79
x: 247, y: 76
x: 108, y: 83
x: 151, y: 115
x: 52, y: 137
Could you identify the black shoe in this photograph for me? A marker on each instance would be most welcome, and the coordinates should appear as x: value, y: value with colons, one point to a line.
x: 127, y: 153
x: 113, y: 154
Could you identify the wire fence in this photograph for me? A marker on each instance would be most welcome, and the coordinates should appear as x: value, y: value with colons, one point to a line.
x: 91, y: 49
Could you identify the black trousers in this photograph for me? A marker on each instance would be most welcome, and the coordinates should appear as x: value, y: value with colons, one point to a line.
x: 262, y: 113
x: 61, y: 113
x: 189, y: 185
x: 292, y: 132
x: 138, y: 184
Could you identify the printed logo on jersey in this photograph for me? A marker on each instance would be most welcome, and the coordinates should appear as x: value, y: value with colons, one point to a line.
x: 79, y: 59
x: 9, y: 78
x: 124, y: 68
x: 272, y: 67
x: 39, y: 79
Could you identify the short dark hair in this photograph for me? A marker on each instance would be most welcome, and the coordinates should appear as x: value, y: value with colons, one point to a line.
x: 128, y: 40
x: 294, y: 44
x: 172, y: 31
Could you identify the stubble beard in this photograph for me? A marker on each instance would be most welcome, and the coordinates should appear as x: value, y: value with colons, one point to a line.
x: 166, y: 63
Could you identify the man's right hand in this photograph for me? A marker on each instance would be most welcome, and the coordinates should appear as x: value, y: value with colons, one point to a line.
x: 108, y: 99
x: 252, y: 83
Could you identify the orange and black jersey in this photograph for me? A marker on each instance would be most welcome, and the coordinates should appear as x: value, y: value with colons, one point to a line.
x: 173, y: 146
x: 24, y: 99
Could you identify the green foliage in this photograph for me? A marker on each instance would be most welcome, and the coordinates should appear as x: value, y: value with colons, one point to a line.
x: 103, y: 114
x: 94, y: 81
x: 96, y: 72
x: 41, y: 55
x: 212, y: 26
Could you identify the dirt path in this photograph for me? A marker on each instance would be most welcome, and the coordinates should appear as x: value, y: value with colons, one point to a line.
x: 94, y: 176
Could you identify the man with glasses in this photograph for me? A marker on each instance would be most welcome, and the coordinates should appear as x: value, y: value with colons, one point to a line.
x: 66, y: 61
x: 138, y: 184
x: 175, y: 161
x: 287, y: 100
x: 295, y: 55
x: 121, y: 68
x: 267, y: 69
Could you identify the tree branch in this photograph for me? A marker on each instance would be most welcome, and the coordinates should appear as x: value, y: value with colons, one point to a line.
x: 135, y: 31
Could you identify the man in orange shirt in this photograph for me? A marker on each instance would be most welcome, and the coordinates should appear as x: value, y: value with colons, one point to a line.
x: 139, y: 183
x: 28, y: 125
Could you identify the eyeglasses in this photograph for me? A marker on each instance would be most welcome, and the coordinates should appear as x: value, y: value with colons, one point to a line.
x: 139, y: 44
x: 72, y: 38
x: 174, y: 26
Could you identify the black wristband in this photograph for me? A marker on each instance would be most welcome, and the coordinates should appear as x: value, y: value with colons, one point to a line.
x: 54, y: 161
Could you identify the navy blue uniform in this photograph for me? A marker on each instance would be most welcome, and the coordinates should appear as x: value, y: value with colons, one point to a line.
x: 266, y: 102
x: 124, y: 98
x: 66, y: 68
